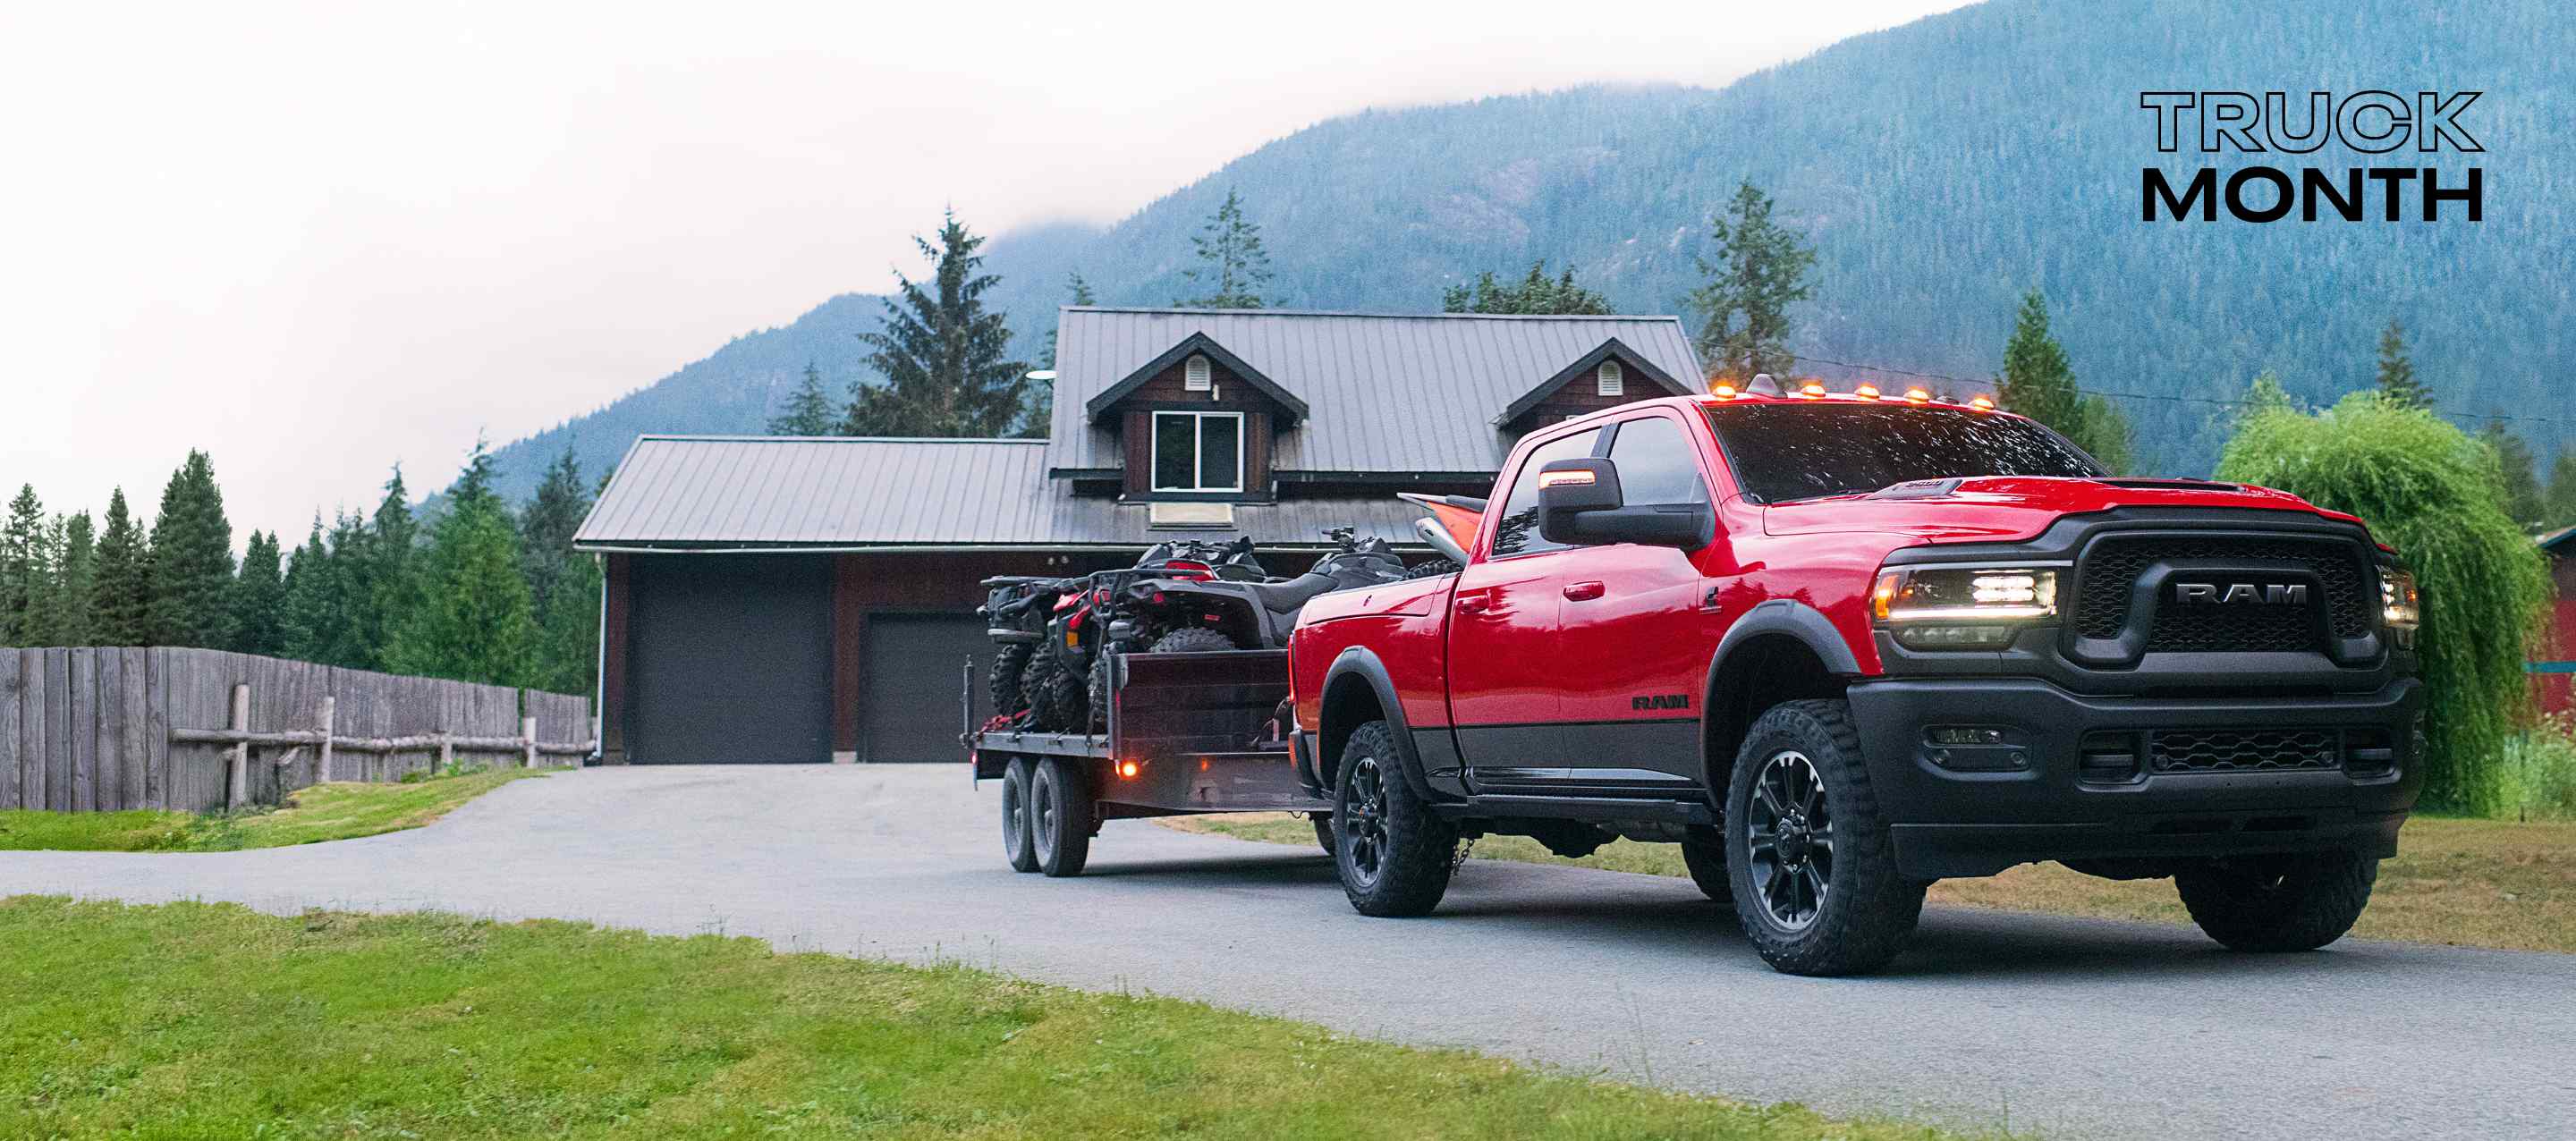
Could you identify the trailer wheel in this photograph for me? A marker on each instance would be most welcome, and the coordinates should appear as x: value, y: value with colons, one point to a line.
x: 1810, y: 859
x: 1394, y: 854
x: 1323, y: 822
x: 1060, y: 817
x: 1018, y: 842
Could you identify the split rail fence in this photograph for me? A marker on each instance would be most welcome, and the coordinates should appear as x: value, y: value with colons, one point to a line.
x: 106, y: 729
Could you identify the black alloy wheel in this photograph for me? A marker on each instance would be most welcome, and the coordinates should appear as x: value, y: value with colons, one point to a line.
x: 1790, y: 839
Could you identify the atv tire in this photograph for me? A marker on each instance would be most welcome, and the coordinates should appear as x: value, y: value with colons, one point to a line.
x: 1055, y: 696
x: 1393, y: 854
x: 2273, y: 904
x: 1810, y: 862
x: 1194, y: 640
x: 1433, y: 569
x: 1010, y: 660
x: 1096, y: 694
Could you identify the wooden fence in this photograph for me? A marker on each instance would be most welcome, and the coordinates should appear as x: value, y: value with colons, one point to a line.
x: 104, y: 729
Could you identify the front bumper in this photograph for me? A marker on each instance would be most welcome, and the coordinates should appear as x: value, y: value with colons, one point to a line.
x: 1978, y: 810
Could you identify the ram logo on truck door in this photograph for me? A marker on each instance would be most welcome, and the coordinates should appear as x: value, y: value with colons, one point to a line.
x: 2268, y: 594
x: 1660, y: 701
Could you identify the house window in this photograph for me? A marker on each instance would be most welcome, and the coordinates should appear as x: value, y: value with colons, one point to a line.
x: 1614, y: 381
x: 1194, y: 375
x: 1198, y: 451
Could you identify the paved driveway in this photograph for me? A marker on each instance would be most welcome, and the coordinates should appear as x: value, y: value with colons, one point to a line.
x: 2068, y: 1027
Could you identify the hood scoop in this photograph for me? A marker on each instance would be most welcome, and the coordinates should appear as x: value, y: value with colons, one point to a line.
x: 2176, y: 483
x: 1918, y: 489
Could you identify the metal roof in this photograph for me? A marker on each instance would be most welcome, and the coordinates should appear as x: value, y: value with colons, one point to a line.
x: 720, y: 492
x: 1386, y: 392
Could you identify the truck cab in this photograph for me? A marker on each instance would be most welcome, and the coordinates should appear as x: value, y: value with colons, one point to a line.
x: 1839, y: 646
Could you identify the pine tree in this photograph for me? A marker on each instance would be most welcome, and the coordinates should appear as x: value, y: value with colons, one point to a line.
x: 2562, y: 489
x: 1234, y: 268
x: 75, y: 544
x: 383, y: 588
x: 2517, y: 475
x: 1534, y: 294
x: 1761, y: 269
x: 568, y: 630
x: 25, y: 572
x: 808, y: 412
x: 2396, y: 378
x: 259, y: 599
x: 546, y: 529
x: 473, y: 621
x: 121, y: 598
x: 327, y: 597
x: 946, y: 358
x: 192, y: 560
x: 2267, y: 395
x: 1037, y: 421
x: 2038, y: 381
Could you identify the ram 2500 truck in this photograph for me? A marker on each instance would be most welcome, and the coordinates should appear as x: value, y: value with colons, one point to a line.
x: 1841, y: 646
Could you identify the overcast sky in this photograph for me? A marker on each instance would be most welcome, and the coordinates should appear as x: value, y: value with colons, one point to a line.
x: 315, y: 240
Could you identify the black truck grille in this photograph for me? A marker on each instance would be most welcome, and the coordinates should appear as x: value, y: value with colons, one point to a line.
x: 2242, y: 750
x: 2112, y: 566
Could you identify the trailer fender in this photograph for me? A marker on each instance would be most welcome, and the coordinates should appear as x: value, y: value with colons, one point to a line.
x: 1354, y: 682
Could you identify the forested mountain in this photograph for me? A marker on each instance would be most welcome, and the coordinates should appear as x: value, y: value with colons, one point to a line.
x: 1942, y: 168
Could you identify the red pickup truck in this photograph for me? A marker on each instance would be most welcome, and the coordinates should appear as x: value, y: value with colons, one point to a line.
x: 1841, y: 646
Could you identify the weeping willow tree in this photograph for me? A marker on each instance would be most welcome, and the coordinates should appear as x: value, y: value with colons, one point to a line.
x: 2429, y: 490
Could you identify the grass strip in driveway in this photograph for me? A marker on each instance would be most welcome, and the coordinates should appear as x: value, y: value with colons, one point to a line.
x: 312, y: 815
x: 2464, y: 883
x: 202, y: 1020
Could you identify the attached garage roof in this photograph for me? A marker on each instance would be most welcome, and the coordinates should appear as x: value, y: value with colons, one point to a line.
x: 728, y: 492
x: 1387, y: 392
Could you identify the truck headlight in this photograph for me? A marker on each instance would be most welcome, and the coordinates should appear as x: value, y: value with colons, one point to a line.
x: 2399, y: 604
x: 1962, y: 608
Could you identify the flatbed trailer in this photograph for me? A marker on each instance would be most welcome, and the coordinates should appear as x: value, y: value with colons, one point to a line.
x: 1185, y: 734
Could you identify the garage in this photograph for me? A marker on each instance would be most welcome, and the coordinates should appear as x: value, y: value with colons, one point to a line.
x: 917, y: 664
x: 731, y: 659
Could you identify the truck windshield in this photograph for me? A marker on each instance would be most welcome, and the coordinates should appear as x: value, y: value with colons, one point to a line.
x: 1782, y: 452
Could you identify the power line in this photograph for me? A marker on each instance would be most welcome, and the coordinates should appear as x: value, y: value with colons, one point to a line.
x: 2234, y: 403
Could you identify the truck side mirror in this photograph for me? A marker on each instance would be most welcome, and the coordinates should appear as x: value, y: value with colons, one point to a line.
x: 1579, y: 504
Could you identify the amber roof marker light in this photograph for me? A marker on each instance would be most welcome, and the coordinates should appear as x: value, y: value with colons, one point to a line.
x: 1917, y: 396
x: 1982, y: 403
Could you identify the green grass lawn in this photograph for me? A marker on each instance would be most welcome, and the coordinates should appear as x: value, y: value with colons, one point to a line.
x: 196, y: 1020
x: 312, y: 815
x: 2470, y: 883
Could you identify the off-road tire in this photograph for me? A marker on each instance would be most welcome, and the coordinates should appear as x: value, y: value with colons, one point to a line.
x: 2272, y: 904
x: 1194, y: 640
x: 1095, y: 703
x: 1433, y: 568
x: 1055, y: 695
x: 1323, y: 822
x: 1866, y: 911
x: 1393, y: 854
x: 1018, y: 844
x: 1704, y: 853
x: 1060, y: 817
x: 1010, y: 660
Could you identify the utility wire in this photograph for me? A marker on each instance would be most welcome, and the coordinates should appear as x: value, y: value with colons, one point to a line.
x: 2235, y: 403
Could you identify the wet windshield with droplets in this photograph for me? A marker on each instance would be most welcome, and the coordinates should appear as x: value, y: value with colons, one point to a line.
x: 1782, y: 452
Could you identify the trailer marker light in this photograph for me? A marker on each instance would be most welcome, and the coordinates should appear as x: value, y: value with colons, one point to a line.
x: 1547, y: 479
x: 1126, y: 770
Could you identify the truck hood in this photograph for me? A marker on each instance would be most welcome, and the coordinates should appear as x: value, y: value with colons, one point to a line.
x: 2009, y: 508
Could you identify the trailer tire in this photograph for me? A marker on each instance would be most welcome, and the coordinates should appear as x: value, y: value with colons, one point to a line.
x: 1821, y: 895
x: 2275, y: 904
x: 1060, y: 817
x: 1393, y: 853
x: 1018, y: 843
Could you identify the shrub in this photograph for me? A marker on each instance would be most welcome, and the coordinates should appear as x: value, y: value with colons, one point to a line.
x: 2429, y: 490
x: 2539, y: 770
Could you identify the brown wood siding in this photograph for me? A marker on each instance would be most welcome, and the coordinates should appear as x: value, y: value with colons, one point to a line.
x: 1169, y: 386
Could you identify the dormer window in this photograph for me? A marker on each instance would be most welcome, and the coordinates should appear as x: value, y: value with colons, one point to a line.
x: 1198, y: 451
x: 1613, y: 381
x: 1194, y: 375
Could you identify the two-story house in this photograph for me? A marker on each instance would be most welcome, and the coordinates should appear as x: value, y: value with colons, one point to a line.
x: 808, y: 599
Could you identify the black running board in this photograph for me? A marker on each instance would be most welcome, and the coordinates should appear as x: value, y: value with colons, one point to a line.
x: 1595, y: 808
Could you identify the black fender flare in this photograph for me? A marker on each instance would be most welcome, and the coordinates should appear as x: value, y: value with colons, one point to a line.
x: 1358, y: 662
x: 1779, y: 616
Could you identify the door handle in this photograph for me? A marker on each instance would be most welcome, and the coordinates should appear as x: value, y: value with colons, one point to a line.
x: 1582, y: 591
x: 1473, y: 603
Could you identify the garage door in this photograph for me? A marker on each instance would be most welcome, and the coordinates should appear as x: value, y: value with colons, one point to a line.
x: 732, y: 659
x: 914, y: 669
